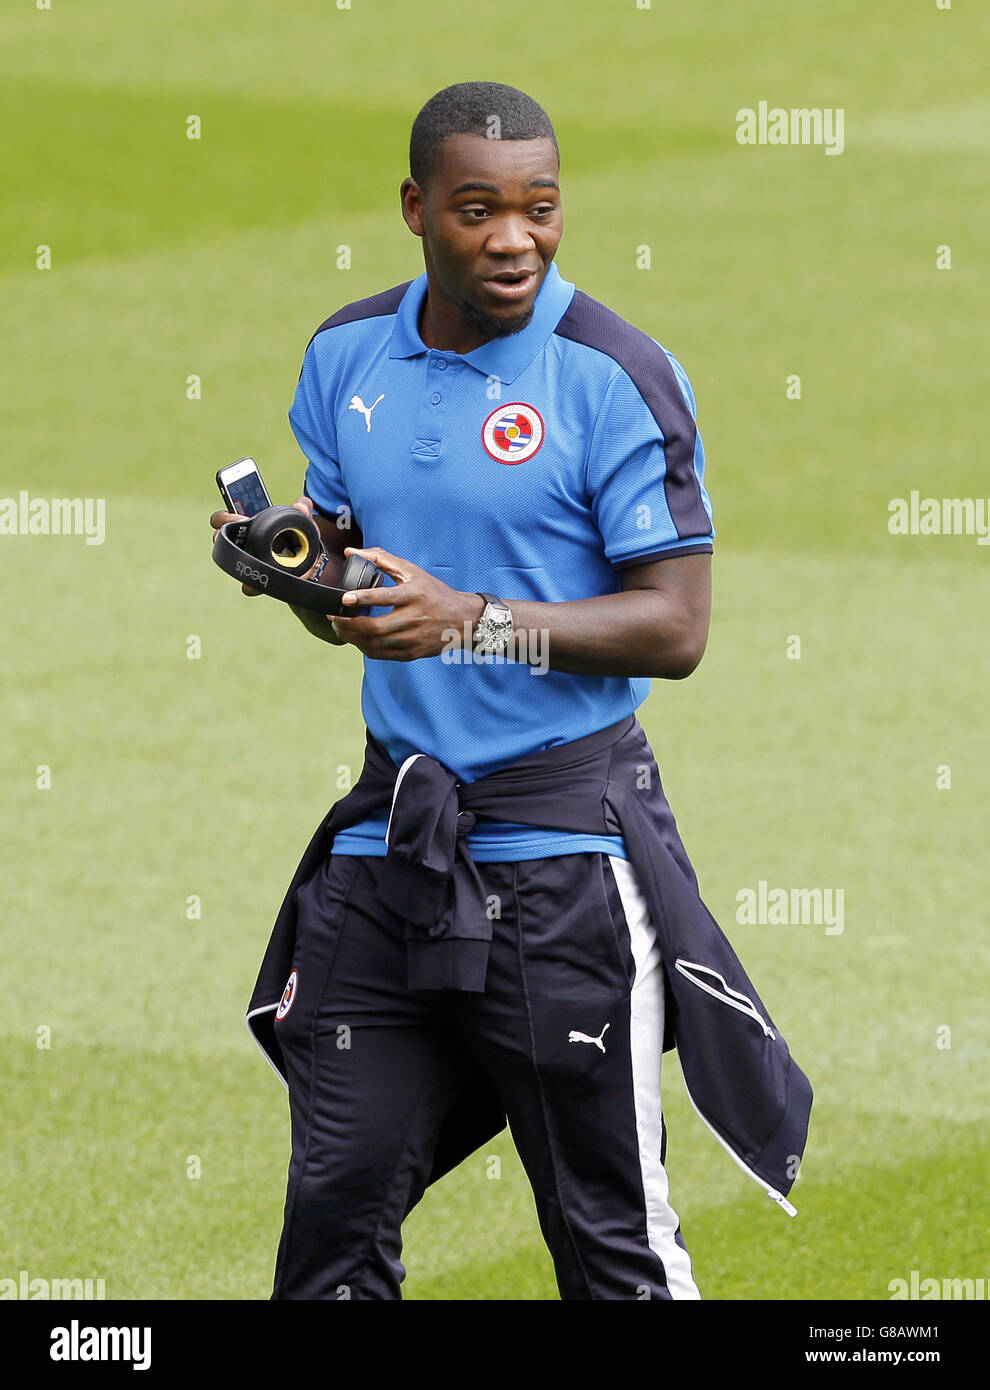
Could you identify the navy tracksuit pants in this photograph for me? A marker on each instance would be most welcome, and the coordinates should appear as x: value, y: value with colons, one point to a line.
x: 568, y: 1031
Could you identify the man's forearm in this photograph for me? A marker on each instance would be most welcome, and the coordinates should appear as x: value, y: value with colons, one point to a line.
x: 319, y: 625
x: 634, y: 633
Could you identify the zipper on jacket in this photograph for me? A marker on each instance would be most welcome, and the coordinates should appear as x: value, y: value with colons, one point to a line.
x: 732, y: 997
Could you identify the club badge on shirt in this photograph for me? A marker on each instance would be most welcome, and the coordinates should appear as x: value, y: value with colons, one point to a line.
x: 288, y: 995
x: 513, y: 433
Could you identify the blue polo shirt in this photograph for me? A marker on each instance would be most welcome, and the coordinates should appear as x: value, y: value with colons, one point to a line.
x: 537, y: 466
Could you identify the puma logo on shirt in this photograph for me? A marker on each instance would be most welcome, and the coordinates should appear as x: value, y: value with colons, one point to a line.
x: 575, y: 1036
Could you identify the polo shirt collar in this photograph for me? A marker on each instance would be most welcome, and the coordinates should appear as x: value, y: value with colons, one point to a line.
x: 504, y: 358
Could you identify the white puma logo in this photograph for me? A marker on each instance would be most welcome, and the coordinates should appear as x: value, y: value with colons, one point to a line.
x: 358, y: 404
x: 575, y: 1036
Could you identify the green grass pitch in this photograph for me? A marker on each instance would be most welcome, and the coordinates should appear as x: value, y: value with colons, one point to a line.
x: 145, y: 1141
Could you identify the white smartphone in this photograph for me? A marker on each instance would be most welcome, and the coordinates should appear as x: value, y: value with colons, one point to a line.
x: 242, y: 489
x: 244, y: 492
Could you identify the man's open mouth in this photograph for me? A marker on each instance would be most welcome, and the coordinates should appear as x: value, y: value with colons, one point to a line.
x: 511, y: 284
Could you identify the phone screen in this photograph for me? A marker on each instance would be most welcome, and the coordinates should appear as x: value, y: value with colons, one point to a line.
x: 247, y: 495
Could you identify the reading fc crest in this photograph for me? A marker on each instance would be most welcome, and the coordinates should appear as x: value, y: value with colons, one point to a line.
x: 513, y: 433
x: 288, y: 995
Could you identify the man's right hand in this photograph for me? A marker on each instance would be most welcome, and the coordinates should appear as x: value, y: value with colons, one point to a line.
x: 219, y: 519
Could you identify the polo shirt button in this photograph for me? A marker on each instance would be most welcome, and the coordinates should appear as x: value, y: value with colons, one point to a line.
x: 441, y: 365
x: 435, y: 398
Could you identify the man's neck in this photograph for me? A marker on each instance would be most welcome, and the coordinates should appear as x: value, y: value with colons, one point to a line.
x: 445, y: 329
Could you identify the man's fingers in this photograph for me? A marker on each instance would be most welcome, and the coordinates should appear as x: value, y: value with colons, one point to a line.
x: 393, y: 565
x: 392, y: 595
x: 385, y: 596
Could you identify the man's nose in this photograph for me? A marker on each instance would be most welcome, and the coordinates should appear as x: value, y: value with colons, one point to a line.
x: 509, y: 236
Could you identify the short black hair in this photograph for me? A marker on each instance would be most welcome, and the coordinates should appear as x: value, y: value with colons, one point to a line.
x: 474, y: 108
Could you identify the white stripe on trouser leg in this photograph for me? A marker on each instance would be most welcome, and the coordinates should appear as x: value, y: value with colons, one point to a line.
x: 646, y: 1048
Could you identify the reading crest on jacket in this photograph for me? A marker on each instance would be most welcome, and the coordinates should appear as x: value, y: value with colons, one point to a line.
x: 288, y: 994
x: 513, y: 433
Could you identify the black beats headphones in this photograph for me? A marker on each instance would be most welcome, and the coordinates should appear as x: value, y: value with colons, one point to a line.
x: 273, y: 550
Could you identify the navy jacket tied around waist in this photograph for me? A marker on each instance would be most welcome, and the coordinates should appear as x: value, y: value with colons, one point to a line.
x: 738, y: 1071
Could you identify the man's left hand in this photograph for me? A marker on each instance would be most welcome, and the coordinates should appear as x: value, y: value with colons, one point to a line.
x: 424, y: 612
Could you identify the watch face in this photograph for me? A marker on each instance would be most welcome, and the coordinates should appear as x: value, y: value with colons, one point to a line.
x: 494, y: 630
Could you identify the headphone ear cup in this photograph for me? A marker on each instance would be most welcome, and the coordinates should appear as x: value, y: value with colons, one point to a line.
x: 360, y: 573
x: 283, y: 536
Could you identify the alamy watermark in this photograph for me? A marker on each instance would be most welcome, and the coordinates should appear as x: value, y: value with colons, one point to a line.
x: 25, y: 515
x: 530, y: 647
x: 82, y: 1343
x: 800, y: 907
x: 917, y: 1287
x: 940, y: 516
x: 804, y: 125
x: 28, y: 1286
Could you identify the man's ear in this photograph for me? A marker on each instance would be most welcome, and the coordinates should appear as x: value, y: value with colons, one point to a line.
x: 412, y: 205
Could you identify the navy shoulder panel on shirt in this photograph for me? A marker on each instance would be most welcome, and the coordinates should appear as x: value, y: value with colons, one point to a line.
x: 597, y: 326
x: 375, y: 306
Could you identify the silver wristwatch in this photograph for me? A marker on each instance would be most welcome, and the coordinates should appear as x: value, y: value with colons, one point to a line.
x: 494, y: 627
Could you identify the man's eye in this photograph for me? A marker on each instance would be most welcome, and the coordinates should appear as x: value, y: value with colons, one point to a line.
x: 475, y: 214
x: 544, y: 210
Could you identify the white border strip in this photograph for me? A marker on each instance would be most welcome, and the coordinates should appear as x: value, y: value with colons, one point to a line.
x: 398, y: 782
x: 264, y: 1009
x: 646, y: 1018
x: 771, y: 1192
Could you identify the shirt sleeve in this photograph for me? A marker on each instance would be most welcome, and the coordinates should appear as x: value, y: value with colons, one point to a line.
x: 313, y: 425
x: 646, y: 467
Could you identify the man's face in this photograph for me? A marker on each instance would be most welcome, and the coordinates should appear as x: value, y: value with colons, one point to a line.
x: 491, y: 220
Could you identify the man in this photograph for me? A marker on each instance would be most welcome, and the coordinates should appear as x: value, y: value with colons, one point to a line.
x: 525, y: 468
